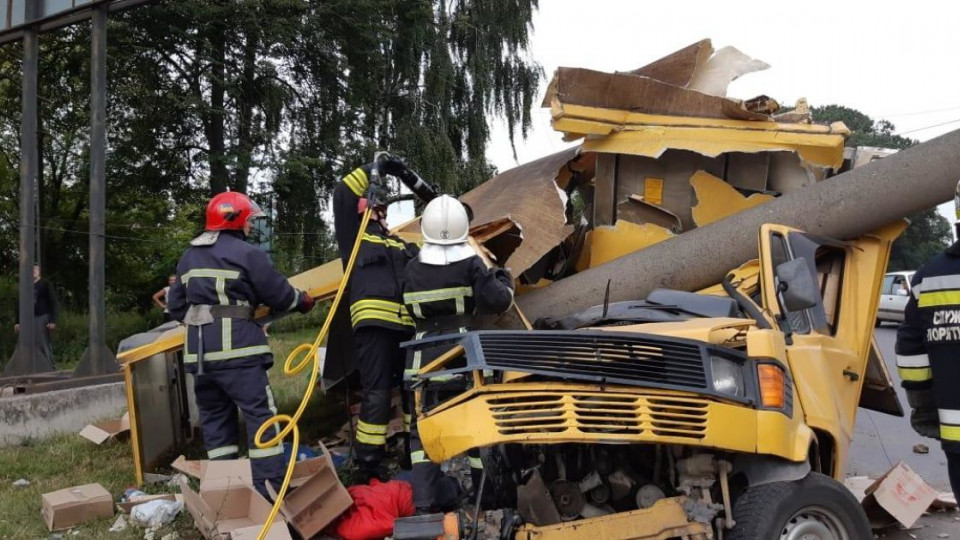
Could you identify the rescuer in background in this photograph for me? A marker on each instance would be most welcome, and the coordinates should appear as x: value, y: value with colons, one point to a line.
x: 445, y: 287
x: 928, y: 352
x: 221, y: 279
x: 379, y: 319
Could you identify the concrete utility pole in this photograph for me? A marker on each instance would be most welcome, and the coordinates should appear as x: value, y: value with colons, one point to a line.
x: 97, y: 359
x: 25, y: 360
x: 844, y: 206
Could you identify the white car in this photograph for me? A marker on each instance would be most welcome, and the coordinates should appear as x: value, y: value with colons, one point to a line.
x: 894, y: 296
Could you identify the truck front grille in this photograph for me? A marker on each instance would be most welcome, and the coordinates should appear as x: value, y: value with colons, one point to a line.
x: 612, y: 357
x: 598, y: 413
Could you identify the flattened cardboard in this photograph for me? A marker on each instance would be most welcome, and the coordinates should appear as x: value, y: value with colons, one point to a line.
x: 625, y: 91
x: 75, y: 505
x: 899, y: 496
x: 235, y: 511
x: 100, y: 432
x: 318, y: 501
x: 678, y: 68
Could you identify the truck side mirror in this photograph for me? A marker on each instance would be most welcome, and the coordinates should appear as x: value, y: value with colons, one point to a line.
x: 796, y: 286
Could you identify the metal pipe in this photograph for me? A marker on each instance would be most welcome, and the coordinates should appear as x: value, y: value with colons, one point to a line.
x: 844, y: 206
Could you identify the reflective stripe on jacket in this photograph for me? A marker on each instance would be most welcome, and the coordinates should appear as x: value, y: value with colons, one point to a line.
x: 229, y: 272
x: 928, y: 341
x: 376, y: 283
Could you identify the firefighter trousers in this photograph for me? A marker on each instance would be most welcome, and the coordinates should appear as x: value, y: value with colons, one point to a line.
x: 432, y: 489
x: 219, y: 393
x: 380, y: 362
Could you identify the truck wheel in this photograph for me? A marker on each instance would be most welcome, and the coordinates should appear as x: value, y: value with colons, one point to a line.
x: 814, y: 508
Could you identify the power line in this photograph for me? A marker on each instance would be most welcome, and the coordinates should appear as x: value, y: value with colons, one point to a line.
x: 916, y: 113
x: 929, y: 127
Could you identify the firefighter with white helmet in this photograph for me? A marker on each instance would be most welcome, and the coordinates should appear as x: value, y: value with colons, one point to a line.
x: 445, y: 287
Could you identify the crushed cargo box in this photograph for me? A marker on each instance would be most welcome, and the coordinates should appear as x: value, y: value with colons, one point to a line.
x: 75, y: 505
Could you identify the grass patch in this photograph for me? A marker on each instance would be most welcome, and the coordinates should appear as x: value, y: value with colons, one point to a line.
x: 69, y: 460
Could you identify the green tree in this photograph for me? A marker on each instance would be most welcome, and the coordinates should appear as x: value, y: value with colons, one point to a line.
x: 929, y: 232
x: 278, y: 98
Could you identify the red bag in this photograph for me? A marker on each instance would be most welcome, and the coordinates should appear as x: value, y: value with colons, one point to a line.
x: 374, y: 509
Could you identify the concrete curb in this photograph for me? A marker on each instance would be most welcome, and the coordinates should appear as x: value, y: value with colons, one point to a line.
x: 35, y: 416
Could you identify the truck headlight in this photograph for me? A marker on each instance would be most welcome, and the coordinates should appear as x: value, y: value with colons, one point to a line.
x: 727, y: 376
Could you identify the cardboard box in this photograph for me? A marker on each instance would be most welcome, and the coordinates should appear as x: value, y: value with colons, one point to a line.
x: 899, y: 496
x: 318, y: 500
x: 101, y: 432
x: 213, y: 473
x: 231, y: 511
x: 72, y: 506
x: 216, y: 473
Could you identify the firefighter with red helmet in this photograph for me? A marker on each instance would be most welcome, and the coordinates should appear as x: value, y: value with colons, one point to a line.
x: 221, y: 279
x: 379, y: 319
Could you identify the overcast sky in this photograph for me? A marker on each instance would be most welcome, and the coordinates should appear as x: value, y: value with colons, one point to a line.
x: 892, y: 60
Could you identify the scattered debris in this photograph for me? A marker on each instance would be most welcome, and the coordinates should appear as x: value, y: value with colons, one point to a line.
x: 71, y: 506
x: 155, y: 513
x: 945, y: 501
x: 23, y: 482
x: 119, y: 525
x: 320, y: 498
x: 101, y: 432
x: 171, y: 536
x: 154, y: 478
x: 921, y: 449
x: 232, y: 510
x: 899, y: 496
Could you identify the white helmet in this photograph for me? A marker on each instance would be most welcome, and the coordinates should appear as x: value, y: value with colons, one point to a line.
x: 444, y: 222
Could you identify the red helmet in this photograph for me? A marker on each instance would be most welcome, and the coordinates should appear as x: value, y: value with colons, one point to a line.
x: 230, y: 210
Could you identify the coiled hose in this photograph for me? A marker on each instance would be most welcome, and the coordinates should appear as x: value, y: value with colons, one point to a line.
x: 296, y: 362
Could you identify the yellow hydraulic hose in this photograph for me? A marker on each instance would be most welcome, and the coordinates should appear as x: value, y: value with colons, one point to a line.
x: 294, y: 365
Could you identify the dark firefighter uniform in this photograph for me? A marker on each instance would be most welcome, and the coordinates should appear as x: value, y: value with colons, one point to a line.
x: 231, y: 277
x: 380, y: 320
x: 928, y: 355
x: 444, y: 299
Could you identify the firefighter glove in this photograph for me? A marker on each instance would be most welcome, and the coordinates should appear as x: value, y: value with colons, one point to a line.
x: 306, y: 303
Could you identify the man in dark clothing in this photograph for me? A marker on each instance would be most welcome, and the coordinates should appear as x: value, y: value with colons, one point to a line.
x: 928, y: 350
x: 379, y: 319
x: 45, y: 311
x: 445, y: 287
x: 221, y: 279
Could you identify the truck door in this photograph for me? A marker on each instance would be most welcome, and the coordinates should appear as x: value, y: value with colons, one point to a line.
x: 832, y: 339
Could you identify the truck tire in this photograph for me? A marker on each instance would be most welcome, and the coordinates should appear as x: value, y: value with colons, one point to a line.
x: 814, y: 508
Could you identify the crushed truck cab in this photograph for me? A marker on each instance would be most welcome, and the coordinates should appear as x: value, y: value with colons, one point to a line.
x: 700, y: 398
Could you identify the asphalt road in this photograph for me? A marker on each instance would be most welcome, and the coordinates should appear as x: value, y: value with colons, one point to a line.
x: 882, y: 440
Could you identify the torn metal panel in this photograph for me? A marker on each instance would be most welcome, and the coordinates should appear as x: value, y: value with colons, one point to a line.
x: 788, y: 173
x: 637, y: 210
x: 636, y: 173
x: 626, y: 92
x: 678, y: 68
x: 723, y: 67
x: 717, y: 199
x: 748, y: 171
x: 527, y: 195
x: 608, y: 243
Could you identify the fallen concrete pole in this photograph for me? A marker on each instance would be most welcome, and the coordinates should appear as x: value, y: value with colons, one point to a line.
x: 844, y: 206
